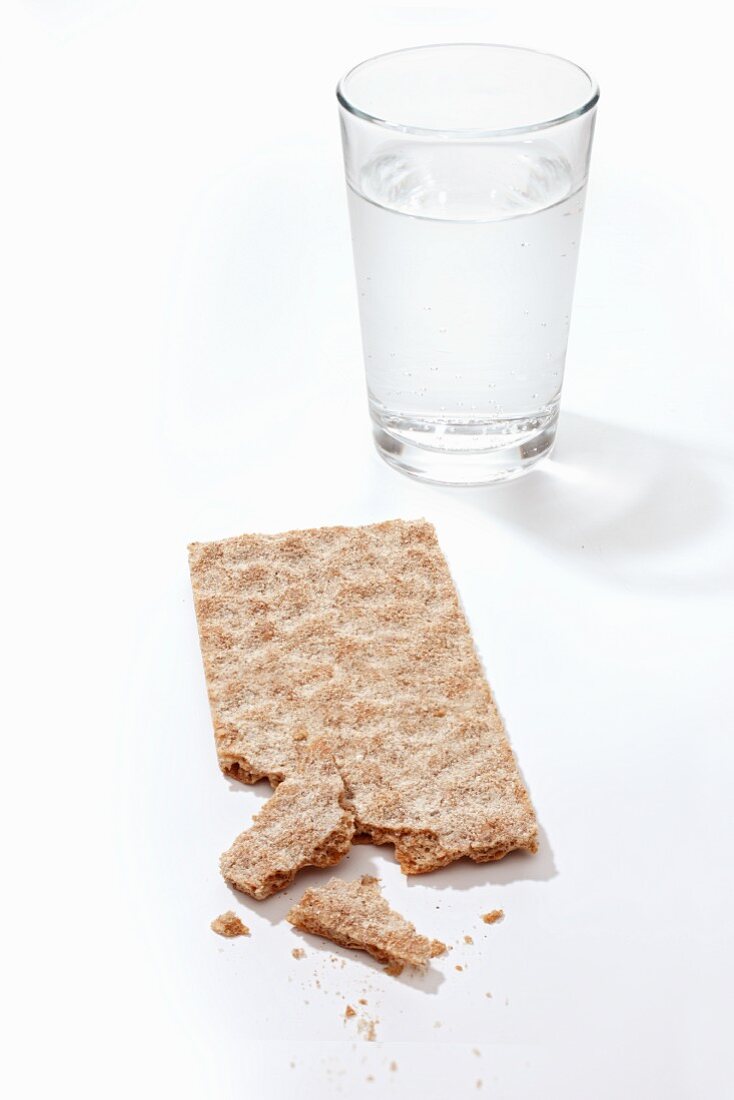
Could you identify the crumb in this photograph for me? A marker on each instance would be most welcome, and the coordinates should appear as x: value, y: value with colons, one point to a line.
x: 393, y: 1066
x: 228, y: 924
x: 300, y: 734
x: 362, y: 1001
x: 507, y: 1000
x: 298, y: 953
x: 477, y: 1052
x: 349, y: 1012
x: 458, y: 967
x: 468, y: 939
x: 370, y: 1077
x: 367, y: 1030
x: 437, y: 1023
x: 493, y: 916
x: 479, y: 1083
x: 487, y: 994
x: 318, y: 983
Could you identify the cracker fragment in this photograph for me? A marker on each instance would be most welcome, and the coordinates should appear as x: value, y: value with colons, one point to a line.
x: 307, y: 823
x: 356, y: 635
x: 355, y: 914
x: 493, y: 916
x: 229, y: 924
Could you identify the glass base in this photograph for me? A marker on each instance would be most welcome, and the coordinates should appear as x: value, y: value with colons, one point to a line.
x: 464, y: 452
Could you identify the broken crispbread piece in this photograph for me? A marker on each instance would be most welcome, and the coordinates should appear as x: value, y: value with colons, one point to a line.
x: 307, y: 823
x: 355, y: 914
x: 357, y: 634
x: 229, y: 924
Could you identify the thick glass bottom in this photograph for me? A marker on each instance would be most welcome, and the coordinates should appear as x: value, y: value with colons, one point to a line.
x: 464, y: 452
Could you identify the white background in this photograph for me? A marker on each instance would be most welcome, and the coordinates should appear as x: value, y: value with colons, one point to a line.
x: 181, y: 361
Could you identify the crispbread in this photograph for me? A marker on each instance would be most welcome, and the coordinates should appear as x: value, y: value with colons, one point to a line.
x: 493, y: 916
x: 355, y: 914
x: 229, y: 924
x: 306, y: 823
x: 356, y: 635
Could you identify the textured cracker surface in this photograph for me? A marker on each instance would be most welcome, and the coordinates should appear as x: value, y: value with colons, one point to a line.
x: 229, y: 924
x: 355, y: 635
x: 306, y: 823
x: 355, y: 914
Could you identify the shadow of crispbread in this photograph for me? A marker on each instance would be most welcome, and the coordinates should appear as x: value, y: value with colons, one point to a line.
x: 427, y: 981
x: 274, y: 909
x: 514, y: 867
x: 360, y: 861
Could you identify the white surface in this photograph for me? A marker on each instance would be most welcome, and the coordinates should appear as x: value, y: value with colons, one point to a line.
x: 182, y: 361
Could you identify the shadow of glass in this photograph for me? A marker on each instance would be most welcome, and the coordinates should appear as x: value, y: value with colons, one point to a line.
x: 640, y: 509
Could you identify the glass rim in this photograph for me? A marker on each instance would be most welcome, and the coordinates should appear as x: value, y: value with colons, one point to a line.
x: 589, y: 103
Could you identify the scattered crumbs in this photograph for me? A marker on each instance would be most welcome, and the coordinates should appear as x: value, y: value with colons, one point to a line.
x: 349, y: 1012
x: 228, y: 924
x: 370, y: 1077
x: 298, y: 953
x: 493, y: 916
x: 479, y: 1082
x: 487, y: 994
x: 393, y: 1066
x: 318, y: 983
x: 458, y: 967
x: 362, y: 1001
x: 367, y: 1029
x: 468, y: 939
x: 478, y: 1053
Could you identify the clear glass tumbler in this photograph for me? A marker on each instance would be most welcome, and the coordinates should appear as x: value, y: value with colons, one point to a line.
x: 466, y: 171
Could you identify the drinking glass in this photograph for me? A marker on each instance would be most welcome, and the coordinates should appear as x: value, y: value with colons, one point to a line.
x: 466, y: 169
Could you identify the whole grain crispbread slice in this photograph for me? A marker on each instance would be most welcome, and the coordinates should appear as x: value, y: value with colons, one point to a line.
x: 356, y: 635
x: 355, y: 914
x: 307, y: 823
